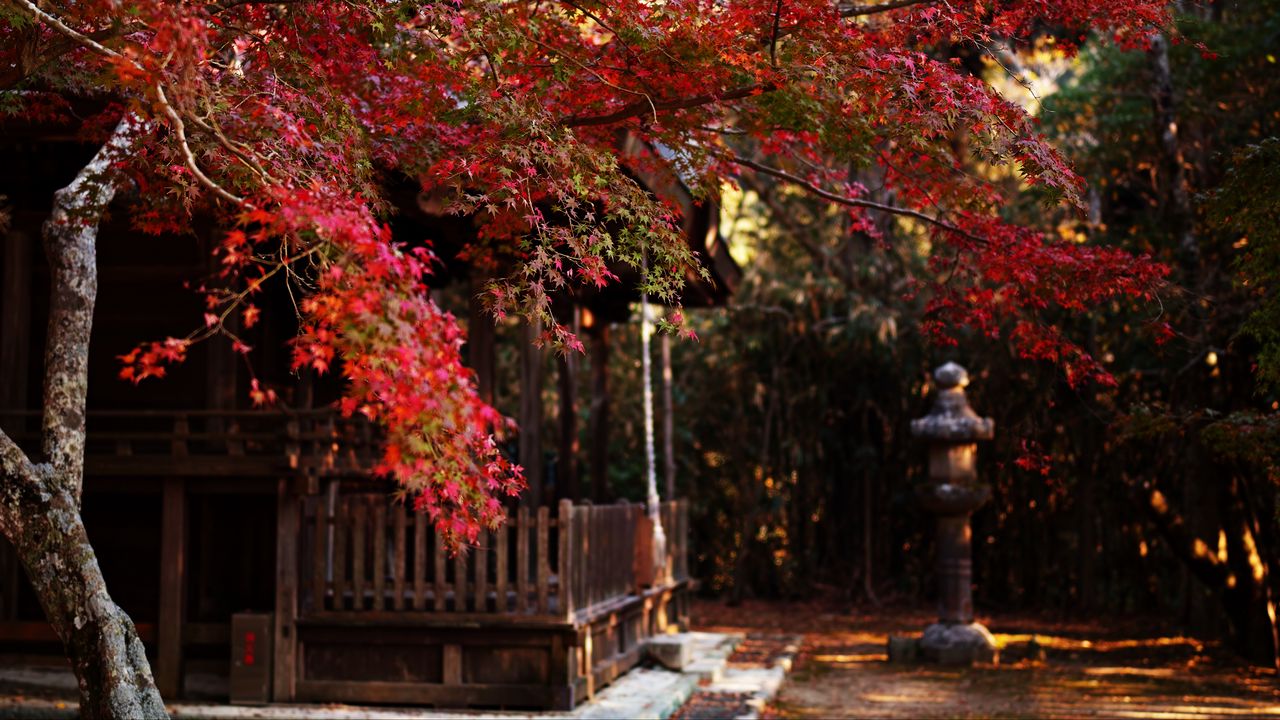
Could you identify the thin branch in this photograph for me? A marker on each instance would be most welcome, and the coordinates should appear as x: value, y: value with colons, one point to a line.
x: 180, y: 129
x: 643, y: 107
x: 854, y: 202
x: 79, y: 37
x: 858, y: 11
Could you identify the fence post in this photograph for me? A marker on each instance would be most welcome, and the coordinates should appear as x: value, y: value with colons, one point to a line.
x: 565, y: 569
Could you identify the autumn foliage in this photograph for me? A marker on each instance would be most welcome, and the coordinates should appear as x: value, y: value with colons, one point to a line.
x: 285, y: 119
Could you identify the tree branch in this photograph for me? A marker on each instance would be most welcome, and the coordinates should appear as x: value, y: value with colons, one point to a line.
x: 861, y: 10
x: 61, y: 27
x: 854, y: 202
x: 14, y: 463
x: 644, y: 106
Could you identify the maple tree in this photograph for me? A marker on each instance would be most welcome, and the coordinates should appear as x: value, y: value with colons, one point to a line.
x: 283, y: 119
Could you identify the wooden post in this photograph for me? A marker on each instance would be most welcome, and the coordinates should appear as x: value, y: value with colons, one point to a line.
x: 460, y: 581
x: 379, y: 530
x: 15, y: 339
x: 419, y: 561
x: 482, y: 573
x: 568, y: 476
x: 480, y: 352
x: 543, y: 561
x: 15, y: 324
x: 440, y: 588
x: 500, y: 568
x: 340, y: 521
x: 531, y: 412
x: 286, y: 591
x: 568, y: 481
x: 522, y: 560
x: 173, y: 575
x: 599, y: 412
x: 319, y: 554
x: 397, y: 587
x: 564, y: 570
x: 359, y: 516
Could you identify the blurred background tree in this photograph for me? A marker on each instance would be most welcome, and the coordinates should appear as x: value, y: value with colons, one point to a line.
x: 1154, y: 497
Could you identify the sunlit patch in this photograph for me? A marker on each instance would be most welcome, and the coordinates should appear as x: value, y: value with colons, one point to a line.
x: 1141, y: 672
x: 848, y: 659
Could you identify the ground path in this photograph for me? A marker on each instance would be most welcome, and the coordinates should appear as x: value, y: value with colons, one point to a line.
x: 1127, y: 669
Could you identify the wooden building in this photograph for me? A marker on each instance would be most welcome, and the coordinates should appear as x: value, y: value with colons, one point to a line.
x: 203, y: 511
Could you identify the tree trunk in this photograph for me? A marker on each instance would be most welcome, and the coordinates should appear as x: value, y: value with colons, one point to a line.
x: 40, y: 502
x: 100, y: 640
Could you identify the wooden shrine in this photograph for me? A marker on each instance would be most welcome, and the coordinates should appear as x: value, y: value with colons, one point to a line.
x: 202, y: 510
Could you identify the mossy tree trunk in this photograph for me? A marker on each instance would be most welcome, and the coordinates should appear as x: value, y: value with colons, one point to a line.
x: 40, y: 498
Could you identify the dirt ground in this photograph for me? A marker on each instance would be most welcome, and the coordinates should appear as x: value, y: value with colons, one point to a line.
x: 1120, y: 669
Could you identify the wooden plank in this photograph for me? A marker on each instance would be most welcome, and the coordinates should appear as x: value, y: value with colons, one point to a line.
x: 379, y: 530
x: 40, y: 631
x: 348, y: 620
x: 522, y: 560
x: 287, y: 519
x: 564, y: 567
x: 341, y: 520
x: 441, y: 588
x: 452, y: 663
x: 482, y: 572
x: 419, y: 561
x: 460, y: 580
x: 15, y: 353
x: 319, y: 553
x: 397, y: 586
x: 530, y: 417
x: 568, y: 483
x: 500, y: 568
x: 599, y: 418
x: 359, y: 515
x: 543, y: 566
x: 409, y: 693
x: 480, y: 340
x: 173, y: 558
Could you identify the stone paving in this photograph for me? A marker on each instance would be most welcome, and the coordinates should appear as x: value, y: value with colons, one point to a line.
x: 646, y: 693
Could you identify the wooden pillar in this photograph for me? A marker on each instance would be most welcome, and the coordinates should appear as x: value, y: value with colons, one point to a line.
x: 599, y: 412
x: 568, y: 481
x: 531, y: 412
x: 480, y: 346
x: 15, y: 344
x: 173, y: 581
x: 668, y: 418
x: 15, y: 323
x: 287, y: 529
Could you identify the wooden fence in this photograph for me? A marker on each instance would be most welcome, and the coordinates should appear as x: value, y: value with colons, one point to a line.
x: 362, y: 552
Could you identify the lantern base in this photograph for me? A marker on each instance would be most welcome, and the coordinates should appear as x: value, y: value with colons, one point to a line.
x: 958, y: 644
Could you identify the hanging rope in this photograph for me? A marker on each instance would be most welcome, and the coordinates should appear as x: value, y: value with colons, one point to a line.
x: 653, y: 501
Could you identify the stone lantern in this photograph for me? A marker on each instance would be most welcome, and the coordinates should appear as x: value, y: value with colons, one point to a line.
x: 952, y: 430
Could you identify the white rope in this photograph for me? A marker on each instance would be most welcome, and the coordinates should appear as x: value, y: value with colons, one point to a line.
x: 651, y: 472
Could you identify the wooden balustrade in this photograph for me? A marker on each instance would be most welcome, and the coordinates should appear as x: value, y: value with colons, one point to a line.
x: 214, y: 442
x: 363, y: 552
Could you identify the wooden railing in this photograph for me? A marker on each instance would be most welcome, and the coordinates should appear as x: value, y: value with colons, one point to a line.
x: 362, y: 552
x: 213, y: 442
x: 604, y: 552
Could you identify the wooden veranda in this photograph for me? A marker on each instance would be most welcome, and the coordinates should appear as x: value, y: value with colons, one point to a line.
x: 369, y: 605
